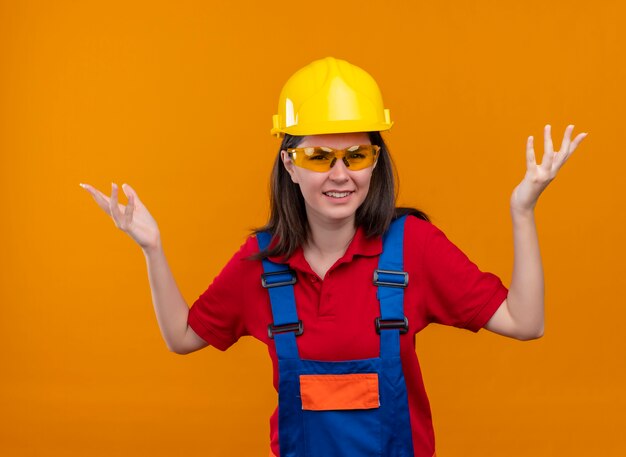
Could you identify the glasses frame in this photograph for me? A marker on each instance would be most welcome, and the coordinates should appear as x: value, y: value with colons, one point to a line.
x: 336, y: 154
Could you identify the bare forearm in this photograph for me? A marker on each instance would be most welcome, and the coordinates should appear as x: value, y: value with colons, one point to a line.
x: 526, y: 293
x: 169, y: 305
x: 523, y: 315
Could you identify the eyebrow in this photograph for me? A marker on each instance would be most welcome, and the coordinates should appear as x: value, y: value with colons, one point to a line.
x: 329, y: 148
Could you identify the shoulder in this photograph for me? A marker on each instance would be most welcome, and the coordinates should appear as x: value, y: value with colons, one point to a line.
x: 242, y: 257
x: 425, y: 240
x: 250, y: 246
x: 415, y: 227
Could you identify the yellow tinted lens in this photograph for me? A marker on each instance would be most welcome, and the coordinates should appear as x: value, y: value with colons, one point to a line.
x: 318, y: 159
x: 312, y: 158
x: 359, y: 157
x: 322, y: 158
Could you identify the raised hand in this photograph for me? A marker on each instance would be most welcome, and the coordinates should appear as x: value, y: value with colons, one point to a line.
x: 134, y: 218
x: 537, y: 178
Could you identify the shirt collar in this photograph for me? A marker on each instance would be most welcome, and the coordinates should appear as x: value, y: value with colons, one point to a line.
x: 360, y: 245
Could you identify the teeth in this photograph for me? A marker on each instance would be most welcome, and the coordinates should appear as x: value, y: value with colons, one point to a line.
x: 337, y: 194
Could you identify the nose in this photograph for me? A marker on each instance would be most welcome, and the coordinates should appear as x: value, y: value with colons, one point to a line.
x: 339, y: 172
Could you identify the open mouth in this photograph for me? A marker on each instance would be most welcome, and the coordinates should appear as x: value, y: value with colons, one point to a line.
x: 337, y: 194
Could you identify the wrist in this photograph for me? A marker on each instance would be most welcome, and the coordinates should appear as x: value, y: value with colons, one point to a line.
x: 152, y: 249
x: 522, y: 213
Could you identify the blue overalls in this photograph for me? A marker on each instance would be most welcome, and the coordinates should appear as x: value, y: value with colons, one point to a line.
x: 353, y: 408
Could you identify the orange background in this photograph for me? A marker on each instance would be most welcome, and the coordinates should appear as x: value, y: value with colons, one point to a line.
x: 168, y: 96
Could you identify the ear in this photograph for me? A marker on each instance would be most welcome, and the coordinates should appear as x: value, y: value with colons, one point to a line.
x: 289, y: 165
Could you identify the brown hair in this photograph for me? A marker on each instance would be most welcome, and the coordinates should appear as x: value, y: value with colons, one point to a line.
x: 288, y: 221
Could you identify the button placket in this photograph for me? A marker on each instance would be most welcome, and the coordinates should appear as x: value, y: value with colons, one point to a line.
x: 326, y: 307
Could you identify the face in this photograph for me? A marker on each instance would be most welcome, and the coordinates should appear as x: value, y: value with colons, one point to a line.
x: 336, y: 194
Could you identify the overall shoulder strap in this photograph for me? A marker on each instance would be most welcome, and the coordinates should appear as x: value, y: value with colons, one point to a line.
x: 278, y: 279
x: 391, y: 280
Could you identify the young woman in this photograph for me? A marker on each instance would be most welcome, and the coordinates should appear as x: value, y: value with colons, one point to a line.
x: 339, y: 281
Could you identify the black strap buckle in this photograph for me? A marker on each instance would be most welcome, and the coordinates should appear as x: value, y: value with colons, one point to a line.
x: 285, y: 328
x: 269, y: 280
x: 398, y: 278
x: 392, y: 324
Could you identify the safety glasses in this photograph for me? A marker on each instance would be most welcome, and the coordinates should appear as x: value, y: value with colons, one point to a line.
x: 322, y: 158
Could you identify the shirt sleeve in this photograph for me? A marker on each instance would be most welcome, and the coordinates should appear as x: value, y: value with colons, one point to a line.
x: 218, y: 314
x: 459, y: 294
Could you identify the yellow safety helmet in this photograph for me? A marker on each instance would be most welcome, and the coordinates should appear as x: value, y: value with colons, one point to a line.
x: 330, y: 96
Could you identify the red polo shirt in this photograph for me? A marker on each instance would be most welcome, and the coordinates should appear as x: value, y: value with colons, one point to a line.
x: 338, y: 312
